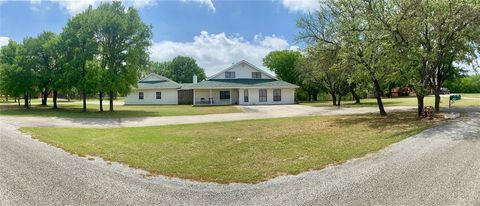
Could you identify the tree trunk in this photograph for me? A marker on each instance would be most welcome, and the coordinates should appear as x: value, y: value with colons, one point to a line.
x: 355, y: 96
x: 100, y: 95
x: 6, y: 97
x: 84, y: 93
x: 378, y: 95
x: 15, y: 99
x: 111, y: 101
x: 437, y: 100
x: 420, y: 104
x: 314, y: 96
x: 84, y: 99
x: 18, y: 98
x: 334, y: 99
x: 55, y: 96
x: 44, y: 98
x: 339, y: 100
x: 25, y: 97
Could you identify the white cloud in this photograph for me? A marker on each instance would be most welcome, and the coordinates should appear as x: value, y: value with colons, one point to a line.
x: 77, y: 6
x: 301, y: 5
x: 207, y: 3
x: 3, y: 41
x: 74, y: 6
x: 215, y: 52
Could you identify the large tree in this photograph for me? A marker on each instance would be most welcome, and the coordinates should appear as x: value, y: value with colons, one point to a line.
x: 123, y: 42
x: 24, y: 69
x: 323, y: 67
x: 8, y: 80
x: 343, y: 26
x: 182, y: 69
x: 41, y: 54
x: 283, y: 64
x: 61, y: 81
x: 429, y: 36
x: 81, y: 46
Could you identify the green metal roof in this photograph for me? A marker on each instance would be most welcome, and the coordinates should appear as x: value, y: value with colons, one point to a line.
x: 240, y: 83
x: 155, y: 81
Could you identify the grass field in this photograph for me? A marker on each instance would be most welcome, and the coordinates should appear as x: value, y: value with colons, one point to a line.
x: 474, y: 95
x: 404, y: 101
x: 241, y: 151
x: 74, y: 110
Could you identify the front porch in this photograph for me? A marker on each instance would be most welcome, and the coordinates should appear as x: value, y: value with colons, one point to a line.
x: 227, y: 96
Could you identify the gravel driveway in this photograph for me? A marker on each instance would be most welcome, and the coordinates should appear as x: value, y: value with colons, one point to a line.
x: 439, y: 166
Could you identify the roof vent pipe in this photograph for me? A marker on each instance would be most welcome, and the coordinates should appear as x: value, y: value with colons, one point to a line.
x: 195, y: 80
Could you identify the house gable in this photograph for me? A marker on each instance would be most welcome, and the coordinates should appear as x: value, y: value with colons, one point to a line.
x: 242, y: 70
x: 155, y: 81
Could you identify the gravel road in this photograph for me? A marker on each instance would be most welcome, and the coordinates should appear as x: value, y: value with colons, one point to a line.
x: 439, y: 166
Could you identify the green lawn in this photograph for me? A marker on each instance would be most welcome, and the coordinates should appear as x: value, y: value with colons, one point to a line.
x: 403, y: 101
x: 474, y: 95
x: 74, y: 110
x: 241, y: 151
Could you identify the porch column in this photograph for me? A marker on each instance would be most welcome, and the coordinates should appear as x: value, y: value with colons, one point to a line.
x: 230, y: 92
x: 193, y: 96
x: 210, y: 100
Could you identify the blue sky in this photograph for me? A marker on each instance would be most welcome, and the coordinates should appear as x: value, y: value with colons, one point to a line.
x: 216, y: 33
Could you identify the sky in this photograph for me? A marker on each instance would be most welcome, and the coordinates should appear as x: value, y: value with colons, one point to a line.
x: 216, y: 33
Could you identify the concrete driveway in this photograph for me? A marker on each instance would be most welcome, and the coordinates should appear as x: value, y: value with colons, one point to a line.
x: 439, y: 166
x: 250, y: 112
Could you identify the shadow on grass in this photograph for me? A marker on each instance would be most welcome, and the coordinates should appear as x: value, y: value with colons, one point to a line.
x: 399, y: 119
x: 70, y: 111
x: 353, y: 104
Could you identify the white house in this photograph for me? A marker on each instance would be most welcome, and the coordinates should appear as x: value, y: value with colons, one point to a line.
x: 154, y: 89
x: 241, y: 83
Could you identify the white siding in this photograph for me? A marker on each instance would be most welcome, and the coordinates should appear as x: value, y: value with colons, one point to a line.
x: 169, y: 96
x: 288, y: 96
x: 242, y: 71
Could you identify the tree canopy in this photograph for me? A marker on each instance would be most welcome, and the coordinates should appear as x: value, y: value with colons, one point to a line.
x: 413, y: 42
x: 282, y: 63
x: 99, y: 50
x: 181, y: 69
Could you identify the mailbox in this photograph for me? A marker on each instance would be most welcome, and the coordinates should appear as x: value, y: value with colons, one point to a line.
x: 455, y: 97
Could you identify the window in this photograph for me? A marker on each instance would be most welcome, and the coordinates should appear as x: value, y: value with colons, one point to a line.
x: 140, y: 95
x: 229, y: 75
x: 159, y: 95
x: 256, y: 75
x: 224, y: 95
x: 277, y: 95
x: 262, y: 94
x: 245, y: 95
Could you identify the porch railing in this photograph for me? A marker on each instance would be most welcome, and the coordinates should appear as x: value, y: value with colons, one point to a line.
x: 212, y: 102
